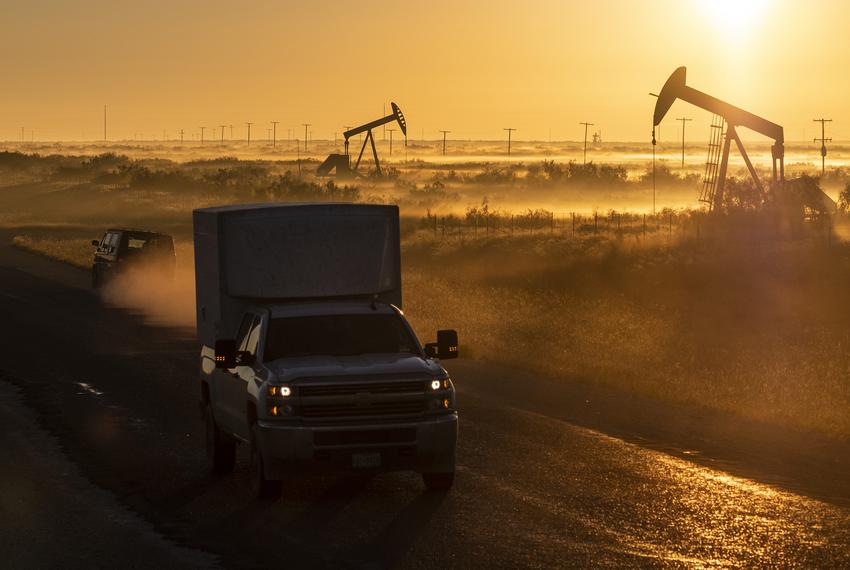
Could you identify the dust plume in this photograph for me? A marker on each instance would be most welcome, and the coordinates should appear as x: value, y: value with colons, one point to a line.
x: 162, y: 299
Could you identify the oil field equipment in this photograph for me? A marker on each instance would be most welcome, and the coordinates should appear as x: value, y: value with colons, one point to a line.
x: 727, y: 119
x: 342, y: 162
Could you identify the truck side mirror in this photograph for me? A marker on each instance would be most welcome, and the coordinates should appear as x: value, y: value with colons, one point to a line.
x: 445, y: 347
x: 225, y: 353
x: 447, y: 344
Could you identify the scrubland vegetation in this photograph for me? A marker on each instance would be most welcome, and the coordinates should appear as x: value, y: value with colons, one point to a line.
x: 738, y: 312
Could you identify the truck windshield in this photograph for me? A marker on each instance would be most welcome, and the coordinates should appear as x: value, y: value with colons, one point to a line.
x: 337, y: 335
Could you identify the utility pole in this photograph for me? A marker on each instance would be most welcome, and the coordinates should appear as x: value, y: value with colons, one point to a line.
x: 231, y: 131
x: 104, y: 123
x: 222, y: 133
x: 249, y: 132
x: 274, y: 133
x: 444, y: 142
x: 305, y: 135
x: 202, y: 134
x: 391, y: 131
x: 510, y: 130
x: 823, y: 140
x: 585, y: 139
x: 181, y: 136
x: 684, y: 120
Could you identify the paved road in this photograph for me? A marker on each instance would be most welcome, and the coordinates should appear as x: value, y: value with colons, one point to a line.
x: 552, y: 472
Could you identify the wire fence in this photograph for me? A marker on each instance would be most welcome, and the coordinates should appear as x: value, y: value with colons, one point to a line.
x: 669, y: 225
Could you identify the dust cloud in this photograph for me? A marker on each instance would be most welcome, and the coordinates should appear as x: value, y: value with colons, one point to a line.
x: 161, y: 298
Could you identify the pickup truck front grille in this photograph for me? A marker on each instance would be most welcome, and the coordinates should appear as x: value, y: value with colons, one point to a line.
x: 352, y: 409
x: 404, y: 387
x: 375, y: 436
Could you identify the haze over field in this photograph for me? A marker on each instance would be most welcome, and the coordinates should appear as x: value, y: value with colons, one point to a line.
x: 472, y: 67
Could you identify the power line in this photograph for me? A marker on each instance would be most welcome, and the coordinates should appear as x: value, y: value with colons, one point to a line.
x: 823, y: 140
x: 444, y: 141
x: 391, y: 131
x: 684, y: 120
x: 585, y: 139
x: 510, y: 130
x: 305, y: 135
x: 274, y: 133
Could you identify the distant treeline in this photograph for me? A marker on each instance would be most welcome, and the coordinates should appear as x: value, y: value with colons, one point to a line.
x: 225, y: 175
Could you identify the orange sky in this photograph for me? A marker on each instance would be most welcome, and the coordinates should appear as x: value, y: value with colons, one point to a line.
x: 470, y: 66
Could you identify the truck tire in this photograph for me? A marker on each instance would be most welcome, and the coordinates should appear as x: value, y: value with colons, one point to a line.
x: 96, y: 281
x: 438, y: 481
x: 221, y: 448
x: 261, y: 488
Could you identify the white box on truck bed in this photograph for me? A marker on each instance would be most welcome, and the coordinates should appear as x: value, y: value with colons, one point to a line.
x: 291, y: 252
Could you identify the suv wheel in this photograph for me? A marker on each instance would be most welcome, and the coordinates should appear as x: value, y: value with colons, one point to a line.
x: 438, y: 481
x: 261, y: 488
x: 221, y: 448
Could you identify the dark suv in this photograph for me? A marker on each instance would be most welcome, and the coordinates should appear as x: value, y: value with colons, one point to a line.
x: 119, y: 250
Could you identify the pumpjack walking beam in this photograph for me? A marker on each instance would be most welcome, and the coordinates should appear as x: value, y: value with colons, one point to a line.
x: 675, y: 88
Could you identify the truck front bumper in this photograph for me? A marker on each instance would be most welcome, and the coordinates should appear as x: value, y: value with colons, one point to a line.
x: 426, y: 445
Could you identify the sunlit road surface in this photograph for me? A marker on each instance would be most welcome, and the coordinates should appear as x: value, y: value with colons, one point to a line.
x: 533, y: 488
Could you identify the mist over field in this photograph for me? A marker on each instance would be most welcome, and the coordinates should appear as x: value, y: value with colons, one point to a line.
x: 555, y: 266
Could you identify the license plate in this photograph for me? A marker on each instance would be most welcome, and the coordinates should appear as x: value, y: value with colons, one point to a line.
x: 365, y: 460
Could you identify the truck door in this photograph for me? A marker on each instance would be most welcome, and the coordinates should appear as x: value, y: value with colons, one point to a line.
x: 224, y: 399
x: 234, y: 382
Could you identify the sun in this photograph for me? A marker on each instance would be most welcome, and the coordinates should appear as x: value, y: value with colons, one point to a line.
x: 735, y: 18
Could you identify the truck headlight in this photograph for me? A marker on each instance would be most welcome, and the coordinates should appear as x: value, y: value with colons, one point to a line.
x: 279, y: 391
x: 440, y: 384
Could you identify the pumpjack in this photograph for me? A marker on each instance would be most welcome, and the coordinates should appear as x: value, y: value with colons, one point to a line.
x: 342, y: 162
x: 731, y: 118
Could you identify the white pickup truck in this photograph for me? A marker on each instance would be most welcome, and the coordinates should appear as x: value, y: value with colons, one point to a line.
x: 305, y: 353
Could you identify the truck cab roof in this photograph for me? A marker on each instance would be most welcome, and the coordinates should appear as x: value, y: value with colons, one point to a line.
x: 315, y: 308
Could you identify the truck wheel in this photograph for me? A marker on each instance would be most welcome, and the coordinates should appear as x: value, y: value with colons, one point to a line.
x: 438, y: 481
x: 261, y: 488
x: 96, y: 281
x: 221, y: 448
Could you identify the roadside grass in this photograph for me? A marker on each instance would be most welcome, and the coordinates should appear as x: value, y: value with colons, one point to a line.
x: 75, y: 251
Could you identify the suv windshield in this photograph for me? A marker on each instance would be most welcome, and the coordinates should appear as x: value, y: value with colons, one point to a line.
x: 337, y: 335
x: 139, y: 242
